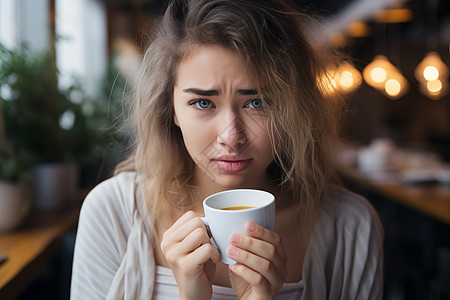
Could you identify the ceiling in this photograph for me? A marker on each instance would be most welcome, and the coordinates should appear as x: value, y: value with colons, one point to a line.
x: 337, y: 14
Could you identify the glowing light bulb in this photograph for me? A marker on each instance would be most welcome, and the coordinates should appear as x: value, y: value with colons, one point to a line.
x: 377, y: 71
x: 434, y: 86
x: 430, y: 73
x: 434, y: 89
x: 394, y: 15
x: 392, y: 87
x: 342, y: 79
x: 378, y: 74
x: 395, y: 85
x: 327, y: 84
x: 431, y: 68
x: 346, y: 79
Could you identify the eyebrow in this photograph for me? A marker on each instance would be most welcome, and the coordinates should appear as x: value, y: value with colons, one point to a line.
x: 200, y: 92
x: 247, y: 92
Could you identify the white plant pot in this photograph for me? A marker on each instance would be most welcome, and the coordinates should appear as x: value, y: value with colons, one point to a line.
x: 53, y: 186
x: 13, y: 198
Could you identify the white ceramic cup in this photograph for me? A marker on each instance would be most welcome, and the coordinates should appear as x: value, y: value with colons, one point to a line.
x: 223, y: 223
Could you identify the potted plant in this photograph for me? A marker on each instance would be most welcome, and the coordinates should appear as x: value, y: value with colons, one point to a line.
x: 33, y: 105
x: 14, y: 198
x: 60, y: 132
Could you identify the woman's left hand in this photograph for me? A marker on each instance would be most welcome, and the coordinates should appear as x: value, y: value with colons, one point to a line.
x: 260, y: 270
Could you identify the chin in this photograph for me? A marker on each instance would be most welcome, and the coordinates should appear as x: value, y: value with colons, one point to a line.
x: 233, y: 181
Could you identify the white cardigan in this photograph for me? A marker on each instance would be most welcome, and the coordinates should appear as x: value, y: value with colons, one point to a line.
x: 114, y: 254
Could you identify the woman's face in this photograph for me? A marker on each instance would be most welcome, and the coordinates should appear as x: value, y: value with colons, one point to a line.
x: 221, y: 117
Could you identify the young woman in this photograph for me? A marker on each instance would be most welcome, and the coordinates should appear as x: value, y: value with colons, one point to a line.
x: 228, y: 98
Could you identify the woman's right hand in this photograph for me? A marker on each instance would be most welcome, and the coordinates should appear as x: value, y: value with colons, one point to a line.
x: 189, y: 253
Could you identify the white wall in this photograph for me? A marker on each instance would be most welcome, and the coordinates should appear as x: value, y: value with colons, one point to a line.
x: 25, y: 21
x: 82, y: 48
x: 81, y: 24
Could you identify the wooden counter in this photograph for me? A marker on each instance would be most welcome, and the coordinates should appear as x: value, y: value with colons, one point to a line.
x: 432, y: 200
x: 30, y: 247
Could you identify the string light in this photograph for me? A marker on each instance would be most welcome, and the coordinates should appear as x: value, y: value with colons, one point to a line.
x: 434, y: 89
x: 395, y: 85
x: 376, y: 72
x: 327, y: 83
x: 432, y: 75
x: 348, y: 77
x: 357, y: 29
x: 431, y: 68
x: 342, y: 79
x: 394, y: 15
x: 385, y: 77
x: 434, y: 86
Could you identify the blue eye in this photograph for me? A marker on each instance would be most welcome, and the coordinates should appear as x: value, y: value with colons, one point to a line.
x: 202, y: 104
x: 255, y: 103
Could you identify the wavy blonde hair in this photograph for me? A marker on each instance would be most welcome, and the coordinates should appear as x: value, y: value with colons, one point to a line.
x: 269, y: 35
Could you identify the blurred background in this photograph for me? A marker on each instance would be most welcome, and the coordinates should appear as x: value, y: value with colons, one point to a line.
x: 66, y: 68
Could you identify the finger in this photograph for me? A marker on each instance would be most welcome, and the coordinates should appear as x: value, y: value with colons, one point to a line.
x: 250, y: 276
x: 204, y: 253
x: 262, y: 242
x: 262, y: 233
x: 182, y: 221
x: 193, y: 240
x: 261, y: 249
x: 179, y: 231
x: 257, y: 264
x: 260, y: 285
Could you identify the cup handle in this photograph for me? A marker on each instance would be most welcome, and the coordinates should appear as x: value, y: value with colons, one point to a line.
x: 208, y: 231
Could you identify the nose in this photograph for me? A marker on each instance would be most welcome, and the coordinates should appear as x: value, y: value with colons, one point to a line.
x: 233, y: 133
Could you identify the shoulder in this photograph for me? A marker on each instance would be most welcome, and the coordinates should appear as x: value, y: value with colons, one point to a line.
x: 346, y: 249
x: 118, y: 185
x: 347, y: 223
x: 109, y: 235
x: 112, y: 198
x: 347, y: 217
x: 347, y: 208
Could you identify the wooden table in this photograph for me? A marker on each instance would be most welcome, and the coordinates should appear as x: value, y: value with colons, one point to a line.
x: 432, y: 200
x: 30, y: 247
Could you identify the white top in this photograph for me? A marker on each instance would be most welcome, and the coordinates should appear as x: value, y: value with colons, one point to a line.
x: 114, y: 254
x: 166, y: 288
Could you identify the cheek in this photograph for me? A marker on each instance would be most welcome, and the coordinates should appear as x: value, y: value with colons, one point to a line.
x: 260, y: 130
x: 197, y: 139
x: 264, y: 144
x: 267, y: 146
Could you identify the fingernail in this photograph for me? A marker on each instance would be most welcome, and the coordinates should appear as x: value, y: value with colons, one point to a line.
x: 232, y: 252
x: 251, y: 227
x: 235, y: 239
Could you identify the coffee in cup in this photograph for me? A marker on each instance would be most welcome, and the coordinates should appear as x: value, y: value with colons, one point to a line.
x: 239, y: 207
x: 227, y: 212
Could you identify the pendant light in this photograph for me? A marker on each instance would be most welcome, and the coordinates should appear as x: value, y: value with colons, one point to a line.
x: 431, y: 72
x: 343, y: 79
x: 434, y: 89
x: 395, y: 85
x: 432, y: 75
x: 376, y: 72
x: 431, y: 68
x: 348, y: 77
x: 380, y: 73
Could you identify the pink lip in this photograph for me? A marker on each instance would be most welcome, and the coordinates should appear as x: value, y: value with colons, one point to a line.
x: 232, y: 163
